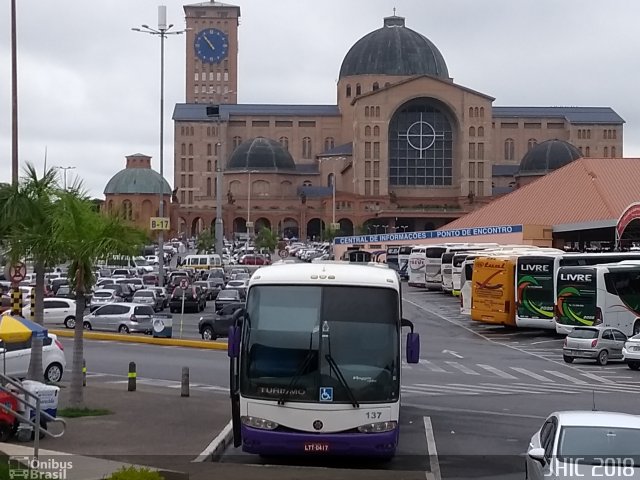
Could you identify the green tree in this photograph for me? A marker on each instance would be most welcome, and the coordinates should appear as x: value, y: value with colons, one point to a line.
x: 83, y: 236
x: 328, y: 234
x: 27, y: 213
x: 266, y: 239
x: 206, y: 241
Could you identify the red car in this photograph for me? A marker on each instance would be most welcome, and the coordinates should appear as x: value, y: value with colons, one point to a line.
x: 251, y: 259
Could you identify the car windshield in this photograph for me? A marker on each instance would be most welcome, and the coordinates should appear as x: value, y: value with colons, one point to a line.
x: 315, y: 335
x: 584, y: 333
x: 593, y: 444
x: 144, y: 293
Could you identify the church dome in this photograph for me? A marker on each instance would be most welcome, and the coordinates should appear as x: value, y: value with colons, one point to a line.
x: 137, y: 178
x: 260, y: 154
x: 548, y: 156
x: 394, y: 50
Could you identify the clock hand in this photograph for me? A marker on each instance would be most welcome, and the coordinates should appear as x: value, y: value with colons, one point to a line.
x: 209, y: 42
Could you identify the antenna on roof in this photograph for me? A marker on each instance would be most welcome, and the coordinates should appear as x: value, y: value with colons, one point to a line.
x: 394, y: 11
x: 593, y: 396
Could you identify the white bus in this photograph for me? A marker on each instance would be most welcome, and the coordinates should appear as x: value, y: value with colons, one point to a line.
x: 403, y: 261
x: 606, y: 295
x: 447, y: 268
x: 417, y: 263
x: 315, y: 361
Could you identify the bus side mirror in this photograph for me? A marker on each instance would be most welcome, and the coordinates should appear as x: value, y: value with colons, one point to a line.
x: 233, y: 342
x: 413, y: 347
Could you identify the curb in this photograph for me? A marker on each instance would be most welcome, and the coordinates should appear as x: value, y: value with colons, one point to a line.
x: 169, y: 342
x: 218, y: 445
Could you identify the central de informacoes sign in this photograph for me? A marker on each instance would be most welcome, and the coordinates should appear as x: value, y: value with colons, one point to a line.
x: 428, y: 234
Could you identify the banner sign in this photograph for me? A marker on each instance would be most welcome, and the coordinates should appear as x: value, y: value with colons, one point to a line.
x: 631, y: 213
x: 444, y: 234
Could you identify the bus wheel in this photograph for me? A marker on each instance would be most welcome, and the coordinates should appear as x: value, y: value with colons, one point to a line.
x: 603, y: 357
x: 636, y: 327
x: 633, y: 365
x: 567, y: 358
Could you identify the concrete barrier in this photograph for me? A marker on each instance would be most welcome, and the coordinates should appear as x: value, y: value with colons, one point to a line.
x: 170, y: 342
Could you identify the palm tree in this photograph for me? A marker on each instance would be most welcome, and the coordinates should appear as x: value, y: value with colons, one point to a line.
x: 205, y: 241
x: 26, y: 212
x: 266, y: 239
x: 84, y: 235
x: 330, y: 233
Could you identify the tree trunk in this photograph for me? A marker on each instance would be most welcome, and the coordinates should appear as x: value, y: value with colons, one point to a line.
x: 76, y: 397
x: 35, y: 362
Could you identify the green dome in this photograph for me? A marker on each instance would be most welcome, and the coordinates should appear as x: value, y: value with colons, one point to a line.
x: 137, y: 180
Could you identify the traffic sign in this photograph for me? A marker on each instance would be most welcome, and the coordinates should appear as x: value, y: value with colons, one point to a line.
x: 17, y: 272
x: 283, y: 253
x: 184, y: 283
x: 159, y: 223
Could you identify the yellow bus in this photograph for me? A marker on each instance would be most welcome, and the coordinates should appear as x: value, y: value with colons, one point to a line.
x: 493, y: 290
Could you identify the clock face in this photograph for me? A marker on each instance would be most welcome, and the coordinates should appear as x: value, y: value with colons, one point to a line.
x: 211, y: 45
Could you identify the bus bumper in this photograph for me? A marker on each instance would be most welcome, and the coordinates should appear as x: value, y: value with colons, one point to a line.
x: 269, y: 442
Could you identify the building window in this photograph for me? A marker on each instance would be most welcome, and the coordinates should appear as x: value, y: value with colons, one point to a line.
x: 127, y: 210
x: 588, y: 133
x: 226, y: 75
x: 587, y: 151
x: 414, y: 159
x: 191, y: 164
x: 208, y: 165
x: 208, y: 186
x: 191, y: 131
x: 366, y: 111
x: 376, y: 150
x: 348, y: 91
x: 615, y: 134
x: 376, y: 187
x: 481, y: 112
x: 183, y: 149
x: 377, y: 112
x: 472, y: 131
x: 329, y: 143
x: 190, y: 197
x: 580, y: 149
x: 218, y: 76
x: 195, y: 89
x: 367, y: 187
x: 284, y: 141
x: 183, y: 181
x: 481, y: 131
x: 216, y: 149
x: 367, y: 149
x: 330, y: 180
x: 376, y: 86
x: 480, y: 151
x: 358, y: 89
x: 182, y: 131
x: 307, y: 183
x: 476, y: 112
x: 613, y: 152
x: 236, y: 141
x: 367, y: 131
x: 183, y: 164
x: 306, y: 147
x: 472, y: 170
x: 472, y: 188
x: 509, y: 149
x: 367, y: 169
x: 190, y: 181
x: 606, y: 152
x: 472, y: 151
x: 376, y: 169
x: 470, y: 112
x: 182, y: 197
x: 531, y: 143
x: 376, y: 131
x: 209, y: 149
x: 480, y: 169
x: 480, y: 191
x: 211, y: 76
x: 191, y: 149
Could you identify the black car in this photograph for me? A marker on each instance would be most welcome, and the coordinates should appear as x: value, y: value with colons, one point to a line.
x: 227, y: 296
x: 213, y: 327
x: 194, y: 299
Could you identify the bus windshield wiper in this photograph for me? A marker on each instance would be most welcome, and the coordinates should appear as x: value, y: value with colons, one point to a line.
x: 334, y: 366
x: 301, y: 368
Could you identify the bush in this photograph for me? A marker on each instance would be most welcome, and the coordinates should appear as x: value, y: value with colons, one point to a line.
x: 135, y: 473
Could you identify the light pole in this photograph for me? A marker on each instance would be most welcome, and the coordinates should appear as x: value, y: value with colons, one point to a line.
x: 219, y: 227
x: 162, y: 31
x: 249, y: 223
x: 65, y: 174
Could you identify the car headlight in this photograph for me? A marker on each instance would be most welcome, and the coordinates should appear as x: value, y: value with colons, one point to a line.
x: 378, y: 427
x: 260, y: 423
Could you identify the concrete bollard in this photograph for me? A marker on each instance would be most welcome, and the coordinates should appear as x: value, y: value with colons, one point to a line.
x: 16, y: 301
x: 32, y: 307
x: 132, y: 377
x: 184, y: 392
x: 84, y: 372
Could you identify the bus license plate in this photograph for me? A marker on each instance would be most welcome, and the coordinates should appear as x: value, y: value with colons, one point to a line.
x: 316, y: 447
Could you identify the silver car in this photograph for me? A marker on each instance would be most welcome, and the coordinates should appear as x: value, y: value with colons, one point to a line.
x: 148, y: 296
x: 121, y: 317
x: 585, y: 444
x: 596, y: 343
x: 103, y: 296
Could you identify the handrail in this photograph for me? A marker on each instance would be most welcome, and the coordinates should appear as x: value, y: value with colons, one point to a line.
x: 39, y: 413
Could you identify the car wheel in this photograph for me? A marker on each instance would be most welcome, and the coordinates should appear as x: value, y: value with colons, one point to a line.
x: 207, y: 334
x: 633, y: 365
x: 123, y: 329
x: 603, y: 357
x: 568, y: 359
x: 70, y: 322
x: 87, y: 326
x: 53, y: 373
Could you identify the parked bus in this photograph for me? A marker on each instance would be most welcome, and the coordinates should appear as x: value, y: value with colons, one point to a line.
x: 447, y: 268
x: 315, y: 361
x: 607, y: 295
x: 392, y: 257
x: 466, y: 277
x: 417, y: 263
x: 535, y: 290
x: 202, y: 262
x: 492, y: 290
x: 403, y: 261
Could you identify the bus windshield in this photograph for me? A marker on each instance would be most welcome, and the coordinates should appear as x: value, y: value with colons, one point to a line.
x: 293, y: 334
x: 576, y: 292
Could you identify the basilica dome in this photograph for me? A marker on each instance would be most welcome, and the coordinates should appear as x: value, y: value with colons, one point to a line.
x: 548, y: 156
x: 260, y: 153
x: 394, y: 50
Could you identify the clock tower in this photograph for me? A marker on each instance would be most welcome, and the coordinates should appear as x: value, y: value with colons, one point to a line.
x: 212, y: 52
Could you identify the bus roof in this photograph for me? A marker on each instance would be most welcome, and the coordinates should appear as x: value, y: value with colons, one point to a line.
x: 339, y: 273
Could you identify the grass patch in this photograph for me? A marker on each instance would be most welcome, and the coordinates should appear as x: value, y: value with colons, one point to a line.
x: 83, y: 412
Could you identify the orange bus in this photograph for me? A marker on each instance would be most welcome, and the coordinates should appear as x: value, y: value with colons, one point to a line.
x: 493, y: 290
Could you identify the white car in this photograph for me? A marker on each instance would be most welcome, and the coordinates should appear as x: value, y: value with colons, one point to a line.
x: 57, y: 311
x: 585, y: 444
x: 631, y: 352
x: 16, y: 360
x: 152, y: 259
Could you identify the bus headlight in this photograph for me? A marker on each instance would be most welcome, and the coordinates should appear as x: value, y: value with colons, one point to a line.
x: 378, y: 427
x: 260, y: 423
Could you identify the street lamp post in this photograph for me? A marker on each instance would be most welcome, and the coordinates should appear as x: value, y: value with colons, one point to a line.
x: 162, y: 31
x: 65, y: 174
x: 219, y: 230
x: 249, y: 223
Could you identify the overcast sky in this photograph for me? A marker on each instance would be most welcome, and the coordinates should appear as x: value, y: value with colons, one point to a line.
x: 88, y: 87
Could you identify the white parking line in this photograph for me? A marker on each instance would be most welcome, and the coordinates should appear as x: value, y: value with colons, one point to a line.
x: 497, y: 371
x: 431, y: 366
x: 531, y: 374
x: 434, y: 474
x: 565, y: 377
x: 462, y: 368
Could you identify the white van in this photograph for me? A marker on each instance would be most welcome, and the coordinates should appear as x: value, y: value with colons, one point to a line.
x: 600, y: 295
x: 202, y: 262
